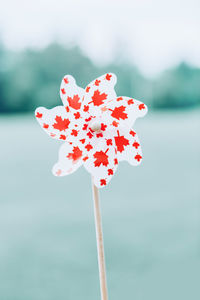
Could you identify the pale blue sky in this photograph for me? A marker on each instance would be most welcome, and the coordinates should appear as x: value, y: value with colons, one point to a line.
x: 153, y: 35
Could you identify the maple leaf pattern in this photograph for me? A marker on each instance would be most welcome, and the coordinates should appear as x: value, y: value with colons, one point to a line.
x: 61, y: 124
x: 119, y: 113
x: 99, y: 151
x: 75, y: 155
x: 120, y: 142
x: 74, y: 102
x: 98, y: 98
x: 38, y: 115
x: 101, y: 159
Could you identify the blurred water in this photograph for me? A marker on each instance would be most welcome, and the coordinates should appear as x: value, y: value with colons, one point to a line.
x: 150, y: 217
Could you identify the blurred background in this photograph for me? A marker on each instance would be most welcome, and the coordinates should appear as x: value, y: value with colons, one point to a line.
x: 151, y: 214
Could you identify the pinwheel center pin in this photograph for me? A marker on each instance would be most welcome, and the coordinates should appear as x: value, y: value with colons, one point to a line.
x: 95, y: 126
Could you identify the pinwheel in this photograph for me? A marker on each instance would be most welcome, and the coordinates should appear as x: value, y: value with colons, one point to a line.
x: 95, y: 126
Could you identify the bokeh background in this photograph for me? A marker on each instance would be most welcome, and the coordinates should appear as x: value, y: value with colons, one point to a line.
x: 151, y: 214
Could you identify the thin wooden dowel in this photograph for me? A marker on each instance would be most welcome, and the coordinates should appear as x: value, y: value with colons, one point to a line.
x: 100, y: 247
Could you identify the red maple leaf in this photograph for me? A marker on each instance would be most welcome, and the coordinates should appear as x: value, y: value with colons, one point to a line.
x: 77, y: 115
x: 88, y: 147
x: 38, y: 115
x: 100, y: 134
x: 88, y: 119
x: 101, y: 158
x: 110, y: 172
x: 141, y: 106
x: 62, y: 137
x: 109, y: 142
x: 118, y: 113
x: 115, y: 124
x: 63, y: 91
x: 76, y: 154
x: 119, y: 98
x: 120, y: 142
x: 133, y: 133
x: 86, y: 108
x: 90, y: 134
x: 98, y: 98
x: 85, y: 126
x: 103, y: 127
x: 138, y: 157
x: 61, y: 124
x: 87, y: 89
x: 45, y: 126
x: 130, y: 101
x: 85, y: 158
x: 74, y: 132
x: 136, y: 145
x: 103, y: 181
x: 82, y: 141
x: 97, y: 82
x: 66, y: 80
x: 67, y: 108
x: 115, y: 161
x: 74, y: 102
x: 108, y: 76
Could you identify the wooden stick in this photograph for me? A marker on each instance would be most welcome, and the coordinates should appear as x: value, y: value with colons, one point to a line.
x: 100, y: 247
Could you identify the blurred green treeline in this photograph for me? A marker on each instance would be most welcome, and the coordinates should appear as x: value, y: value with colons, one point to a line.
x: 32, y: 78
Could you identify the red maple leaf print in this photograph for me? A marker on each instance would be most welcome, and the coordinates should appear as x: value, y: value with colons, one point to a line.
x: 67, y: 108
x: 108, y: 77
x: 77, y: 115
x: 89, y: 134
x: 74, y: 132
x: 85, y: 158
x: 62, y: 137
x: 101, y: 158
x: 87, y: 89
x: 63, y: 91
x: 118, y: 113
x: 102, y: 181
x: 109, y: 142
x: 97, y: 82
x: 103, y: 127
x: 133, y: 133
x: 130, y: 101
x: 76, y: 154
x: 45, y: 126
x: 88, y: 147
x: 100, y: 134
x: 138, y: 157
x: 61, y: 124
x: 136, y: 145
x: 110, y: 172
x: 82, y: 141
x: 119, y: 98
x: 86, y: 108
x: 38, y: 115
x: 88, y: 119
x: 66, y: 80
x: 98, y: 98
x: 115, y: 124
x: 74, y: 102
x: 120, y: 142
x: 85, y: 126
x: 115, y: 161
x: 141, y: 106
